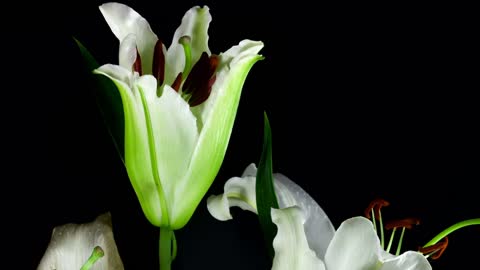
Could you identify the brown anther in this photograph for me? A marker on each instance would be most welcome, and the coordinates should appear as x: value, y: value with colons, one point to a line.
x: 178, y: 82
x: 403, y: 223
x: 198, y: 83
x: 137, y: 65
x: 158, y: 66
x: 376, y: 205
x: 436, y: 250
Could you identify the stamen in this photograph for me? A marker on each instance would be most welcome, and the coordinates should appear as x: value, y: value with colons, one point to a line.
x: 436, y: 250
x: 178, y: 82
x: 374, y: 207
x: 158, y: 66
x: 198, y: 85
x: 404, y: 224
x: 97, y: 253
x: 137, y: 65
x: 186, y: 42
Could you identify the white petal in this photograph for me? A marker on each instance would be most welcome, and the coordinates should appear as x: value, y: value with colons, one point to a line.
x: 237, y: 192
x: 123, y: 20
x: 128, y: 52
x: 194, y: 24
x: 410, y: 260
x: 72, y: 244
x: 137, y: 144
x: 215, y: 129
x: 175, y: 135
x: 355, y: 246
x: 291, y: 248
x: 318, y: 227
x: 251, y: 170
x: 232, y: 70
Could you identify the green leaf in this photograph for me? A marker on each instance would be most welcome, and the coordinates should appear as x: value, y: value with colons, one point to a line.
x: 108, y: 100
x: 264, y: 189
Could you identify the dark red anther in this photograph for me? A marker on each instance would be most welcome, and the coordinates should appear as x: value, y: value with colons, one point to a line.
x: 137, y: 65
x: 403, y: 223
x: 158, y: 66
x: 436, y: 250
x: 200, y: 80
x: 376, y: 205
x: 178, y: 82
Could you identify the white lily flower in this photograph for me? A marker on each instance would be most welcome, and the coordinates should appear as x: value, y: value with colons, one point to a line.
x: 179, y: 108
x: 71, y: 246
x: 298, y: 245
x: 240, y: 191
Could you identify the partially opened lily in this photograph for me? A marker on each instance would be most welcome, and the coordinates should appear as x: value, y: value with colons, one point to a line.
x: 83, y: 246
x: 179, y: 108
x: 302, y: 244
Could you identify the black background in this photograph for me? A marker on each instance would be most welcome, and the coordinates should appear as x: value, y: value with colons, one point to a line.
x: 364, y: 102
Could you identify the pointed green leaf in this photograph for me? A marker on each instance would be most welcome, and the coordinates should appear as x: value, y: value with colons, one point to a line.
x: 108, y: 100
x: 265, y: 192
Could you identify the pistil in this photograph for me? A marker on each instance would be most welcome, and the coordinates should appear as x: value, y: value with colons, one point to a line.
x: 97, y: 253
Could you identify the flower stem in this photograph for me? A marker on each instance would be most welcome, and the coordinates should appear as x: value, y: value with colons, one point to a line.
x: 165, y: 248
x: 454, y: 227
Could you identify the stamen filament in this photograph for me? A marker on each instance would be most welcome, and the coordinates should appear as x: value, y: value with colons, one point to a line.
x: 373, y: 220
x: 400, y: 242
x: 97, y: 253
x: 391, y: 240
x: 382, y: 237
x: 186, y: 43
x: 454, y: 227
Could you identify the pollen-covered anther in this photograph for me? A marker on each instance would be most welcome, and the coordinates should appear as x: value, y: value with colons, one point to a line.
x: 198, y: 84
x: 178, y: 82
x: 375, y: 205
x: 158, y: 66
x: 137, y: 65
x: 435, y: 250
x: 402, y: 223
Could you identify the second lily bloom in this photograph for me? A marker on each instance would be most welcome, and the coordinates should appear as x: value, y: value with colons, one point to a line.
x: 179, y: 108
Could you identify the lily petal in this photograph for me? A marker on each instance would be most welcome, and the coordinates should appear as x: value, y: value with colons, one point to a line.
x: 237, y: 192
x: 355, y: 246
x: 241, y: 192
x: 194, y: 24
x: 292, y: 250
x: 137, y: 147
x: 410, y: 260
x: 216, y: 123
x: 175, y: 136
x: 123, y: 21
x: 72, y: 244
x: 128, y: 52
x: 318, y: 227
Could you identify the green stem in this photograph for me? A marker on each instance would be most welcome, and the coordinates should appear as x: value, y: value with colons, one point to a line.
x: 454, y: 227
x: 165, y: 248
